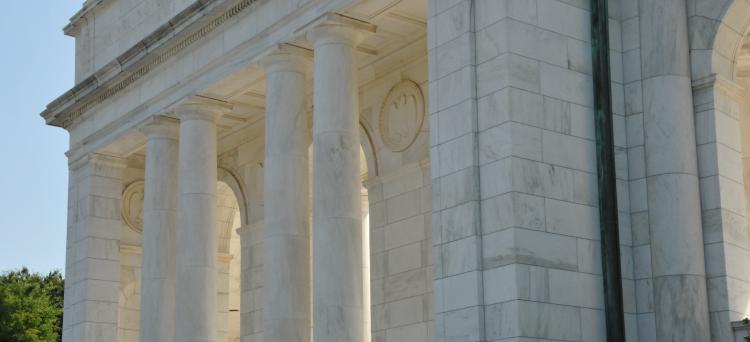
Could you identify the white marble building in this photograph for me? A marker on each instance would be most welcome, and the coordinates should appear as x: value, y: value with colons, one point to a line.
x: 402, y: 170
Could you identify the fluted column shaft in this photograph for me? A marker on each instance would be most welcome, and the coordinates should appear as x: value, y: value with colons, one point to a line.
x: 159, y: 222
x: 337, y: 221
x: 196, y: 299
x: 286, y: 315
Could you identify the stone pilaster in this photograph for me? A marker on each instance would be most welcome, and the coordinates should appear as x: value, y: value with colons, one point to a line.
x: 195, y: 290
x: 93, y: 258
x: 337, y: 221
x: 287, y: 314
x: 159, y: 224
x: 454, y: 172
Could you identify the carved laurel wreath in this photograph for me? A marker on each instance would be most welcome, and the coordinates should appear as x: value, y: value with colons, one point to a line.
x: 132, y: 206
x: 402, y: 116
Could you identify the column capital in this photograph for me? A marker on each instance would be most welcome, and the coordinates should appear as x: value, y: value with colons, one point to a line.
x: 163, y: 127
x: 288, y: 58
x: 333, y: 28
x: 197, y: 107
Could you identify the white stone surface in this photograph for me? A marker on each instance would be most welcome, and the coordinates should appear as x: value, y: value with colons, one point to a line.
x: 337, y: 221
x: 159, y: 225
x: 287, y: 283
x: 497, y: 191
x: 195, y: 288
x: 671, y: 173
x: 93, y: 257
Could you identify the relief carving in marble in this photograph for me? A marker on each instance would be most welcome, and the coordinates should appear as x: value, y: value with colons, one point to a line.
x: 401, y: 116
x: 132, y: 206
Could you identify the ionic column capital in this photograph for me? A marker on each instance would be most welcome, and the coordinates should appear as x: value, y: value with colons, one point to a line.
x: 160, y: 127
x: 334, y: 28
x: 288, y: 58
x: 196, y: 107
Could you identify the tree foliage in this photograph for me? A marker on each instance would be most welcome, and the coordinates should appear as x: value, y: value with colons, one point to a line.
x: 31, y: 306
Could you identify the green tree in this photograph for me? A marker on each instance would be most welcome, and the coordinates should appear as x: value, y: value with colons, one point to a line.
x: 31, y: 306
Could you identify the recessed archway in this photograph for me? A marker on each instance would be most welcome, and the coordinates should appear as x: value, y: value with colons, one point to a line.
x: 228, y: 262
x: 719, y: 51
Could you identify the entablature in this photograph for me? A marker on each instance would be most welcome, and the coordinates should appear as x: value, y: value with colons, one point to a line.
x: 190, y: 25
x: 218, y: 58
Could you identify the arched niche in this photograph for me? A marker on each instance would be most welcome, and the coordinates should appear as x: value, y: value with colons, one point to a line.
x: 227, y: 177
x: 727, y: 22
x: 229, y: 291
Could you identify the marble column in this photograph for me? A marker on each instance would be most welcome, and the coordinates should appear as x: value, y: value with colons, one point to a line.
x: 337, y: 221
x: 195, y: 289
x: 159, y: 223
x: 286, y: 316
x: 677, y: 257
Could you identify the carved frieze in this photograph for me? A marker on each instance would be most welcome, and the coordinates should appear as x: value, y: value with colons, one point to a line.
x: 401, y: 116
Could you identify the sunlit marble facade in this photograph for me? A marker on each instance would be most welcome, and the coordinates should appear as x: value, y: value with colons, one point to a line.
x: 401, y: 170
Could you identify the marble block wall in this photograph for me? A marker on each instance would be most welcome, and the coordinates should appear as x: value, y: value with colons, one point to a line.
x: 454, y: 169
x: 515, y: 217
x: 92, y: 262
x: 251, y: 308
x: 401, y: 263
x: 114, y: 26
x: 399, y: 195
x: 128, y: 324
x: 631, y: 63
x: 722, y: 138
x: 222, y: 288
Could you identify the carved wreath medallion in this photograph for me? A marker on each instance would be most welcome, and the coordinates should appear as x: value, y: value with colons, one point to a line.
x: 132, y: 206
x: 401, y: 116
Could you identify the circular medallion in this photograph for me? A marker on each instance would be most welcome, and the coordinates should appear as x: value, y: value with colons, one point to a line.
x: 401, y: 116
x: 132, y: 206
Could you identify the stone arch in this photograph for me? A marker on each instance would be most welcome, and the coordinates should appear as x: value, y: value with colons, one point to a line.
x: 227, y: 208
x: 227, y: 177
x: 367, y: 153
x: 717, y: 29
x: 229, y: 219
x: 368, y: 147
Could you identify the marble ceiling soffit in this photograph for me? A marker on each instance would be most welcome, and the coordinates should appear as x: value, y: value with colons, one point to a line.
x: 152, y: 51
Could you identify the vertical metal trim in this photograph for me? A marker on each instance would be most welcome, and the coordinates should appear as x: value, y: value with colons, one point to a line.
x: 606, y: 176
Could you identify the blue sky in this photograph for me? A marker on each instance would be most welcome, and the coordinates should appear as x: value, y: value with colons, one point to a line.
x: 36, y: 66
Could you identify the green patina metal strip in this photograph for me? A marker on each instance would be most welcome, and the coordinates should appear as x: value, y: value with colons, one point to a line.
x: 606, y: 175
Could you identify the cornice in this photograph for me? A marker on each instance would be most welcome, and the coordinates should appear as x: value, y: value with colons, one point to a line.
x: 74, y: 26
x: 189, y: 26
